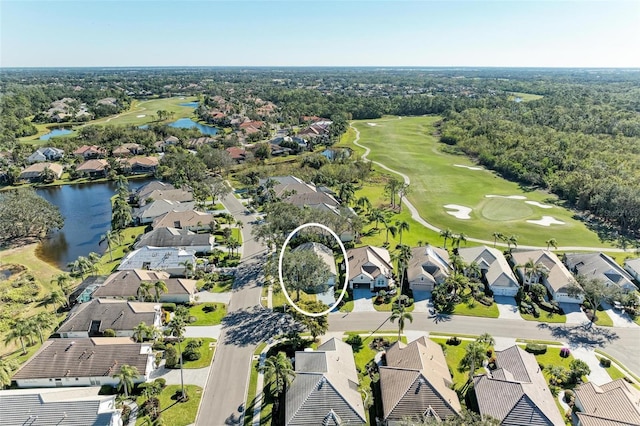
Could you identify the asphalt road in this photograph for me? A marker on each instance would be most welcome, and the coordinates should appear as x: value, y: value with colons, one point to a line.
x: 242, y: 329
x: 621, y: 343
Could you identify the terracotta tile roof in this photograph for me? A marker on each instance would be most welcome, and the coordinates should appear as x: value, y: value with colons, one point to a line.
x: 236, y: 152
x: 93, y: 166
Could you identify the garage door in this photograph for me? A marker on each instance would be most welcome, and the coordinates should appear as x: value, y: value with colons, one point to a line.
x: 361, y: 285
x: 421, y: 287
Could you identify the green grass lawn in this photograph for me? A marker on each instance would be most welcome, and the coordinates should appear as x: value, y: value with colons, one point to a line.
x: 545, y: 317
x: 454, y: 355
x: 347, y: 307
x: 208, y: 318
x: 416, y: 150
x: 525, y: 97
x: 478, y: 310
x: 174, y: 413
x: 388, y: 307
x: 603, y: 319
x: 223, y: 284
x: 207, y: 353
x: 278, y: 298
x: 251, y: 394
x: 111, y: 259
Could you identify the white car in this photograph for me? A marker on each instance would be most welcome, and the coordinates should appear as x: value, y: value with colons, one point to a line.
x: 617, y: 306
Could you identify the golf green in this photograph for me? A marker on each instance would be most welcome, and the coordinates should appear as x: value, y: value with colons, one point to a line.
x: 502, y: 209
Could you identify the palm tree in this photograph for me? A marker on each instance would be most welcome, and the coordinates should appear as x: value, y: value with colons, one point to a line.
x: 403, y: 256
x: 140, y: 331
x: 530, y: 270
x: 62, y: 280
x: 459, y: 238
x: 376, y: 215
x: 233, y: 244
x: 512, y: 240
x: 346, y: 191
x: 278, y: 373
x: 486, y: 339
x: 403, y: 191
x: 475, y: 354
x: 56, y: 297
x: 40, y: 322
x: 7, y: 368
x: 177, y: 327
x: 389, y: 228
x: 125, y: 376
x: 93, y: 260
x: 557, y: 374
x: 19, y: 331
x: 144, y: 290
x: 391, y: 188
x: 364, y: 203
x: 446, y: 234
x: 402, y: 225
x: 110, y: 238
x: 188, y: 267
x: 497, y: 236
x: 457, y: 263
x: 160, y: 287
x: 399, y: 313
x: 473, y: 270
x: 552, y: 242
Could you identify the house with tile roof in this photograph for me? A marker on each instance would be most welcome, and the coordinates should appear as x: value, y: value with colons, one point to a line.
x: 84, y: 362
x: 191, y: 220
x: 516, y: 392
x: 139, y: 164
x: 35, y: 172
x: 428, y: 267
x: 616, y: 403
x: 94, y: 168
x: 325, y: 388
x: 601, y: 267
x: 167, y: 259
x: 143, y: 192
x: 176, y: 194
x: 177, y: 238
x: 370, y: 267
x: 416, y: 383
x: 93, y: 318
x: 556, y: 277
x: 632, y: 266
x: 89, y: 152
x: 149, y: 211
x: 237, y: 153
x: 126, y: 284
x: 494, y: 268
x: 58, y: 406
x: 47, y: 153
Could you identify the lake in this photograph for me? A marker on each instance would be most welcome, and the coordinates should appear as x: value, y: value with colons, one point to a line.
x: 54, y: 133
x: 86, y: 209
x: 187, y: 123
x: 190, y: 104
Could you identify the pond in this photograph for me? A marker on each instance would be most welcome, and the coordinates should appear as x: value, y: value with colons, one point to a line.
x: 86, y: 209
x: 190, y: 104
x: 55, y: 132
x: 187, y: 123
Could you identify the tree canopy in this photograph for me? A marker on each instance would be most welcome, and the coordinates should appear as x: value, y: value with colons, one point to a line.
x: 24, y: 214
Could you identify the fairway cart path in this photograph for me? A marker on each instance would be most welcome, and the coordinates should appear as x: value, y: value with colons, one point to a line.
x: 415, y: 215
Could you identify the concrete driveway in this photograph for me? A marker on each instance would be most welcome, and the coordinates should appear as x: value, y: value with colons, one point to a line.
x: 574, y: 313
x: 362, y: 300
x: 619, y: 318
x: 421, y: 301
x: 507, y: 307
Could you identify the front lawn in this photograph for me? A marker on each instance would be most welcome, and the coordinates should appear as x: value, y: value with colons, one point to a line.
x: 477, y: 309
x: 603, y: 319
x: 545, y: 317
x: 209, y: 313
x: 222, y: 284
x: 206, y: 353
x: 454, y: 355
x: 176, y: 413
x: 388, y: 307
x: 278, y: 299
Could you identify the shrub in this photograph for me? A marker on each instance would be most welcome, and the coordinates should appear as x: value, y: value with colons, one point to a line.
x: 536, y: 312
x: 209, y: 307
x: 355, y: 341
x: 565, y: 352
x: 191, y: 354
x: 379, y: 344
x: 586, y: 304
x: 109, y: 332
x: 194, y: 344
x: 536, y: 348
x: 169, y: 307
x: 453, y: 341
x: 161, y: 382
x: 569, y: 396
x: 192, y: 319
x: 171, y: 357
x: 605, y: 362
x: 158, y: 346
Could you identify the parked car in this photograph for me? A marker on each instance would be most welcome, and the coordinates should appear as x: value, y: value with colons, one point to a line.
x: 617, y: 306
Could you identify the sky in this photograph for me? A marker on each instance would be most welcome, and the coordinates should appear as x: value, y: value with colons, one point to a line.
x: 508, y: 33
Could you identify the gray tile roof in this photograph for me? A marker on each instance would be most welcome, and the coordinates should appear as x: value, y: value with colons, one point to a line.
x: 599, y: 266
x: 558, y: 276
x: 415, y: 381
x: 518, y: 393
x: 110, y: 313
x: 172, y: 237
x: 616, y: 403
x: 433, y: 262
x: 84, y: 357
x: 188, y: 218
x: 144, y: 191
x: 69, y: 407
x: 327, y: 394
x: 160, y: 207
x: 498, y: 272
x: 369, y: 260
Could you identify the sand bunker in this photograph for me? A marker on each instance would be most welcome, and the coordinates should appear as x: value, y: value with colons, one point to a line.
x: 460, y: 212
x: 468, y: 167
x: 546, y: 221
x: 372, y: 124
x: 511, y: 197
x: 140, y: 116
x: 537, y: 204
